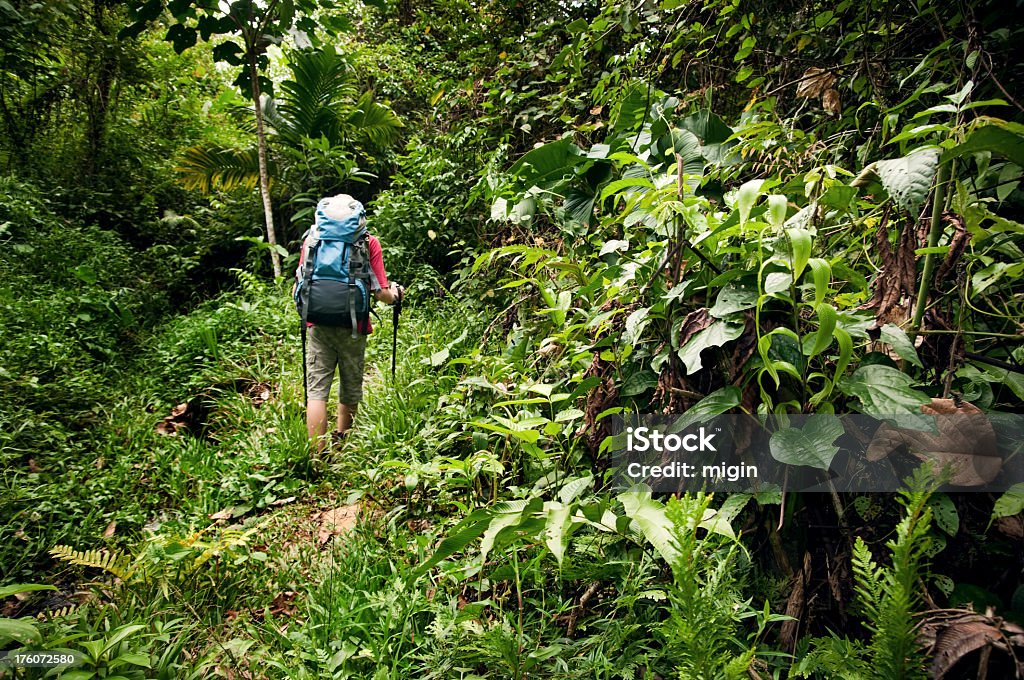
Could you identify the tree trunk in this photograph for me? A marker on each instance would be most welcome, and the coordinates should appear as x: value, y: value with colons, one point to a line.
x: 261, y: 152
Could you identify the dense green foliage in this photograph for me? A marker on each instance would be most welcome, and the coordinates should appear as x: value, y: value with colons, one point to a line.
x: 598, y: 208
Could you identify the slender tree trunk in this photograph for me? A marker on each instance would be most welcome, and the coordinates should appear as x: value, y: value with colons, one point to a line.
x: 261, y: 152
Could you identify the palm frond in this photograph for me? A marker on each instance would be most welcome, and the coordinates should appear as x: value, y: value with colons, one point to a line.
x: 210, y: 168
x: 374, y: 122
x: 321, y: 86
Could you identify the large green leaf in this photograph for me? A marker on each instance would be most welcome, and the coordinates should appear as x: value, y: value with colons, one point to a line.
x: 649, y: 516
x: 373, y: 122
x: 715, y: 335
x: 716, y: 403
x: 547, y: 165
x: 719, y: 401
x: 633, y: 108
x: 579, y: 206
x: 504, y: 516
x: 557, y: 523
x: 746, y: 197
x: 16, y: 588
x: 462, y: 534
x: 815, y: 344
x: 900, y: 342
x: 18, y: 630
x: 713, y: 133
x: 909, y: 179
x: 686, y: 145
x: 1010, y: 503
x: 733, y: 297
x: 884, y: 391
x: 1001, y: 139
x: 812, y: 445
x: 708, y: 127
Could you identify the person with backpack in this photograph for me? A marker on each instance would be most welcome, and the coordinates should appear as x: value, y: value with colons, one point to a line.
x: 341, y: 265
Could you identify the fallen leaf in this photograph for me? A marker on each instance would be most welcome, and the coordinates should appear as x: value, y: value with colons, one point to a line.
x: 958, y: 640
x: 596, y: 111
x: 221, y: 514
x: 337, y: 521
x: 284, y: 501
x: 283, y: 604
x: 111, y: 528
x: 166, y: 428
x: 965, y: 443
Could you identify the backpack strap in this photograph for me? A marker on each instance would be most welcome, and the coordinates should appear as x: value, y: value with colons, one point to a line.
x: 364, y: 249
x: 352, y: 309
x: 312, y: 242
x: 304, y: 285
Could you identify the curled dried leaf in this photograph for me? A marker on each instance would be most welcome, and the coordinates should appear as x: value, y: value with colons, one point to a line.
x: 830, y: 101
x: 814, y: 83
x: 964, y: 443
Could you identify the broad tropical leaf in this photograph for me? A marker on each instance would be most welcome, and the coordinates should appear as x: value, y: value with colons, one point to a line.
x: 909, y: 179
x: 884, y: 391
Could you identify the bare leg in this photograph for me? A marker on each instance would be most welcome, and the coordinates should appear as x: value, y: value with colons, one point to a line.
x: 346, y: 413
x: 316, y: 421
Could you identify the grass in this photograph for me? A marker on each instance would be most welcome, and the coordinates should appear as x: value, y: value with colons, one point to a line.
x: 237, y: 572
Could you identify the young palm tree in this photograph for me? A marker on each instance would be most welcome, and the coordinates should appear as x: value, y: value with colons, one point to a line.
x: 318, y: 129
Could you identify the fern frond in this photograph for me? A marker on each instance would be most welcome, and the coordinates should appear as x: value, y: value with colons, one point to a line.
x: 110, y: 561
x: 61, y: 613
x: 227, y: 542
x: 867, y: 583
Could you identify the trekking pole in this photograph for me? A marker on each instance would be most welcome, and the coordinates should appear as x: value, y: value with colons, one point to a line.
x: 395, y: 312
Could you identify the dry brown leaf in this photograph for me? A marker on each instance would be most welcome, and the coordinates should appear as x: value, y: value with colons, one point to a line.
x: 419, y: 525
x: 596, y: 111
x: 814, y: 82
x: 284, y: 501
x: 965, y: 443
x: 694, y: 323
x: 959, y: 640
x: 830, y: 101
x: 221, y: 514
x: 111, y: 528
x: 284, y: 604
x: 337, y: 521
x: 167, y: 428
x: 896, y: 283
x: 1012, y: 527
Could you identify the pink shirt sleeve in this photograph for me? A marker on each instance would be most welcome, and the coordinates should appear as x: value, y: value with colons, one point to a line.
x: 377, y: 264
x: 377, y: 261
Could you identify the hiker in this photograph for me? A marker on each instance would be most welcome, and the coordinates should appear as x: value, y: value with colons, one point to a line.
x: 339, y: 267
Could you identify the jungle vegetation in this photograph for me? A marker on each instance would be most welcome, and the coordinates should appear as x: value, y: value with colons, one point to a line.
x: 598, y: 208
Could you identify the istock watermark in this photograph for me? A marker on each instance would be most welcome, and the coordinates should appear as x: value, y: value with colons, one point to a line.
x: 967, y: 450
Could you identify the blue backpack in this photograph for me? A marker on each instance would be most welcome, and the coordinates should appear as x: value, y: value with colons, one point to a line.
x: 335, y: 279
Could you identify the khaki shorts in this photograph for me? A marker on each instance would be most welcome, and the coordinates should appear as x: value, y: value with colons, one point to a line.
x: 328, y: 348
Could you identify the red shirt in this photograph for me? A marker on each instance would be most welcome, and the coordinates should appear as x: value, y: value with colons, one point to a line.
x: 376, y: 263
